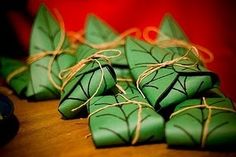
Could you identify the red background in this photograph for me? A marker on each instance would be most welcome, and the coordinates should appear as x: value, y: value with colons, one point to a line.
x: 210, y: 23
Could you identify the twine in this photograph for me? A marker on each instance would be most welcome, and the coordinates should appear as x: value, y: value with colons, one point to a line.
x: 15, y: 72
x: 99, y: 86
x: 88, y: 135
x: 123, y: 80
x: 69, y: 73
x: 139, y: 118
x: 207, y: 122
x: 168, y: 42
x: 156, y: 66
x: 120, y: 40
x: 121, y: 89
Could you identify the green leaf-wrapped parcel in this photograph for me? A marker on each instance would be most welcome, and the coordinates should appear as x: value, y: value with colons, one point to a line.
x: 45, y: 37
x: 172, y: 83
x: 98, y: 32
x: 172, y: 30
x: 85, y: 83
x: 18, y: 82
x: 116, y: 125
x: 186, y: 128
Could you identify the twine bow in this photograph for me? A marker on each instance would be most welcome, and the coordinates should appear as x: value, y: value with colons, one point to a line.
x: 139, y: 118
x: 207, y: 122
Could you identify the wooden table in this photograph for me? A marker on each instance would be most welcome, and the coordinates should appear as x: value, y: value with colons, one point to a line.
x: 42, y: 133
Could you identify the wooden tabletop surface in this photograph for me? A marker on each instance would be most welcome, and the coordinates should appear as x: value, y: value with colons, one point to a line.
x: 42, y: 132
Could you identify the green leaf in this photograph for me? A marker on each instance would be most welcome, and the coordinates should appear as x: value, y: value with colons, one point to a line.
x: 98, y: 32
x: 122, y: 72
x: 187, y: 127
x: 171, y: 84
x: 20, y: 81
x: 171, y: 29
x: 117, y: 125
x: 85, y: 83
x: 46, y: 34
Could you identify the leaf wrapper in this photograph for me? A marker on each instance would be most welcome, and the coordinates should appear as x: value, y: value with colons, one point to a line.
x: 85, y: 83
x: 172, y: 30
x: 185, y: 129
x: 122, y: 72
x: 45, y: 37
x: 116, y: 125
x: 98, y: 32
x: 20, y: 81
x: 171, y: 84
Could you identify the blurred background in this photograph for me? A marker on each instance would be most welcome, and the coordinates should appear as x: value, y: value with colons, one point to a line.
x: 210, y: 23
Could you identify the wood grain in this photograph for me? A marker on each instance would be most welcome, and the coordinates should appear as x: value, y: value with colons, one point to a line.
x: 43, y: 132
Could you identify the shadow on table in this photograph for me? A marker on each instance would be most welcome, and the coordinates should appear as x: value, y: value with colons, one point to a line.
x: 223, y: 148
